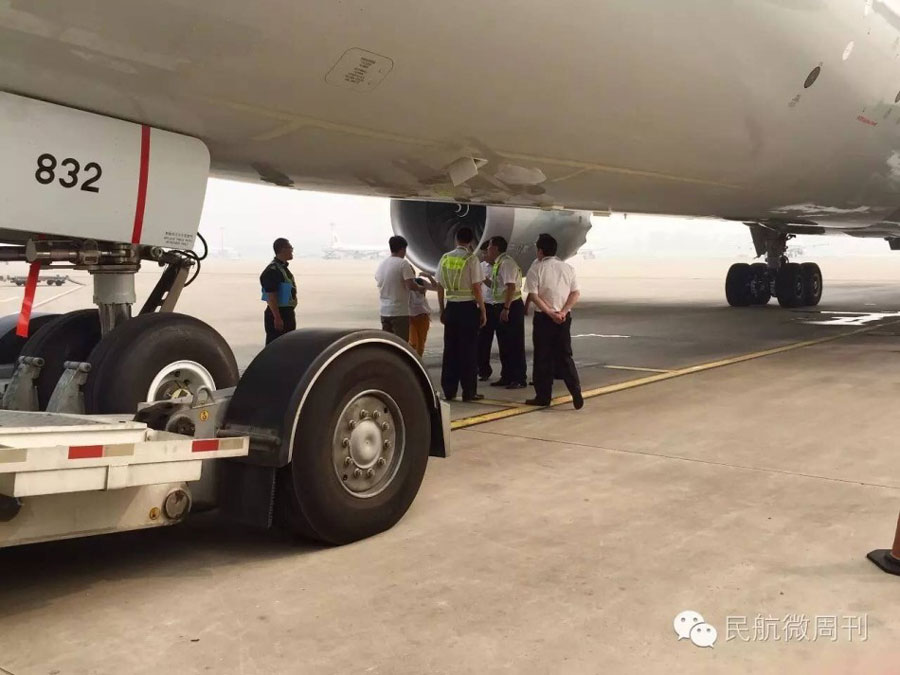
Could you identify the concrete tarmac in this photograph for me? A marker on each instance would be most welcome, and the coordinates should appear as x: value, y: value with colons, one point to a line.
x: 737, y: 463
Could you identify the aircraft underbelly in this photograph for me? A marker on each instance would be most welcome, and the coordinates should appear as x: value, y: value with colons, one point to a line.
x: 697, y: 107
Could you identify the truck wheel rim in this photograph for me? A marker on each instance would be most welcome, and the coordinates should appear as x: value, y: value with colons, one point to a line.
x: 179, y: 378
x: 368, y: 443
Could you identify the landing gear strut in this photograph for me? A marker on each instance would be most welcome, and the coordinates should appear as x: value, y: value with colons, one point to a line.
x: 795, y: 285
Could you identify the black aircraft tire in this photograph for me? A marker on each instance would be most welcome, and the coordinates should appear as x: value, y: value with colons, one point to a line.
x: 812, y: 284
x: 737, y: 285
x: 69, y: 337
x: 11, y: 345
x: 318, y: 495
x: 761, y: 288
x: 125, y: 364
x: 789, y: 285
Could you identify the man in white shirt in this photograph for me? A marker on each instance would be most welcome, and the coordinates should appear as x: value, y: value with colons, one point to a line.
x: 506, y: 288
x: 395, y: 278
x: 551, y: 286
x: 463, y: 314
x: 486, y: 334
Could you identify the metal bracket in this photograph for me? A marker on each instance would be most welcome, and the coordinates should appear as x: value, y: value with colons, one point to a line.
x: 21, y: 393
x: 168, y: 289
x: 67, y: 396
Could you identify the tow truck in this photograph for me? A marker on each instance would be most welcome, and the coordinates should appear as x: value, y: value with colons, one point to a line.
x: 117, y: 418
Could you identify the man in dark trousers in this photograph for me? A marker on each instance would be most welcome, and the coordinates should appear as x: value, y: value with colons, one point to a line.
x: 462, y: 313
x: 279, y: 291
x: 506, y: 288
x: 551, y: 286
x: 488, y: 330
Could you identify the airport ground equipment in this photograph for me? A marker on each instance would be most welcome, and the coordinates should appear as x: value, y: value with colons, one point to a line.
x: 114, y: 421
x: 50, y: 280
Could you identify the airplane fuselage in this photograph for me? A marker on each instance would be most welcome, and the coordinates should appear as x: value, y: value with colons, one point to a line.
x: 754, y: 110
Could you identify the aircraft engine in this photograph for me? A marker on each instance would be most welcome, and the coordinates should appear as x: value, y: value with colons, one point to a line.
x: 430, y: 228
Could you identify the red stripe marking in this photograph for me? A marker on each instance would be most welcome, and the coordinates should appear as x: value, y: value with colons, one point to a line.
x: 85, y: 451
x: 205, y: 445
x: 866, y: 120
x: 142, y: 185
x: 28, y: 300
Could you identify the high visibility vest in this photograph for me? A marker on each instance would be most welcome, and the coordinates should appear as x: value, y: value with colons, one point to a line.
x: 452, y: 269
x: 499, y: 290
x: 286, y: 295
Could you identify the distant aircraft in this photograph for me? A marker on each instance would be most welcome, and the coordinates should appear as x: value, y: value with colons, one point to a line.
x: 339, y: 250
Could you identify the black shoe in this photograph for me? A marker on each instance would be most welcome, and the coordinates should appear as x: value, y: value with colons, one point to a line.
x: 578, y: 400
x: 530, y: 383
x: 516, y: 385
x: 484, y: 378
x: 500, y: 383
x: 534, y: 401
x: 474, y: 397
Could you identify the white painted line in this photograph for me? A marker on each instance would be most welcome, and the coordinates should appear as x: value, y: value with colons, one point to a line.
x: 641, y: 370
x: 599, y: 335
x: 57, y: 296
x: 15, y: 297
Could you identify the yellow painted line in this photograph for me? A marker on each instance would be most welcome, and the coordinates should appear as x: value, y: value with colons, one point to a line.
x: 640, y: 370
x: 661, y: 377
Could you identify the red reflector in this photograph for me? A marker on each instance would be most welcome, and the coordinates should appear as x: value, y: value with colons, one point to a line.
x: 85, y: 451
x: 205, y: 445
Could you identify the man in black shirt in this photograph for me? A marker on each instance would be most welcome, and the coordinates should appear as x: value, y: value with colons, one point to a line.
x: 279, y: 291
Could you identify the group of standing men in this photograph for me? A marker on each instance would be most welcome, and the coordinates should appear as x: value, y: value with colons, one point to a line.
x: 470, y: 321
x: 477, y: 298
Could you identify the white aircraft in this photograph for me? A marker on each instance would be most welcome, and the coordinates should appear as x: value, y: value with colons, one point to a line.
x: 783, y: 115
x: 358, y: 252
x: 512, y: 118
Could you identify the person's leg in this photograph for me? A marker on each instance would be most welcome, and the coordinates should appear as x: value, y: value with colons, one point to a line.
x: 516, y: 343
x: 386, y: 324
x: 422, y: 324
x: 566, y: 362
x: 485, y: 343
x: 450, y: 363
x: 542, y: 371
x: 400, y: 325
x: 468, y: 348
x: 414, y: 341
x: 503, y: 334
x: 289, y: 317
x: 269, y: 325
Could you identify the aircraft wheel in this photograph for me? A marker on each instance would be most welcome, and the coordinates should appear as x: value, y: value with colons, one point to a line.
x: 737, y: 285
x: 360, y: 449
x: 69, y: 337
x: 155, y: 357
x: 789, y: 286
x: 760, y: 288
x: 812, y: 284
x: 11, y: 345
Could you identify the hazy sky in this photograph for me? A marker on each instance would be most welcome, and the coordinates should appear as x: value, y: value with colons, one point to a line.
x: 248, y: 217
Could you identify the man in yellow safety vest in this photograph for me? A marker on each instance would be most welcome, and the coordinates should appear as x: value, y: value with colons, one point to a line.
x: 462, y: 313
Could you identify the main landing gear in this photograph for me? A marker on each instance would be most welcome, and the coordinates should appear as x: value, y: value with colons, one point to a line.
x: 793, y: 284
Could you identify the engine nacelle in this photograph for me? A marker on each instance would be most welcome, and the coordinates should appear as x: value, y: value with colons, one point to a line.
x: 430, y: 228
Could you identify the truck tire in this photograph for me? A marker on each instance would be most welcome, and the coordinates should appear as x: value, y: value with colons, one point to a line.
x: 11, y: 345
x: 154, y: 357
x: 69, y: 337
x: 337, y: 489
